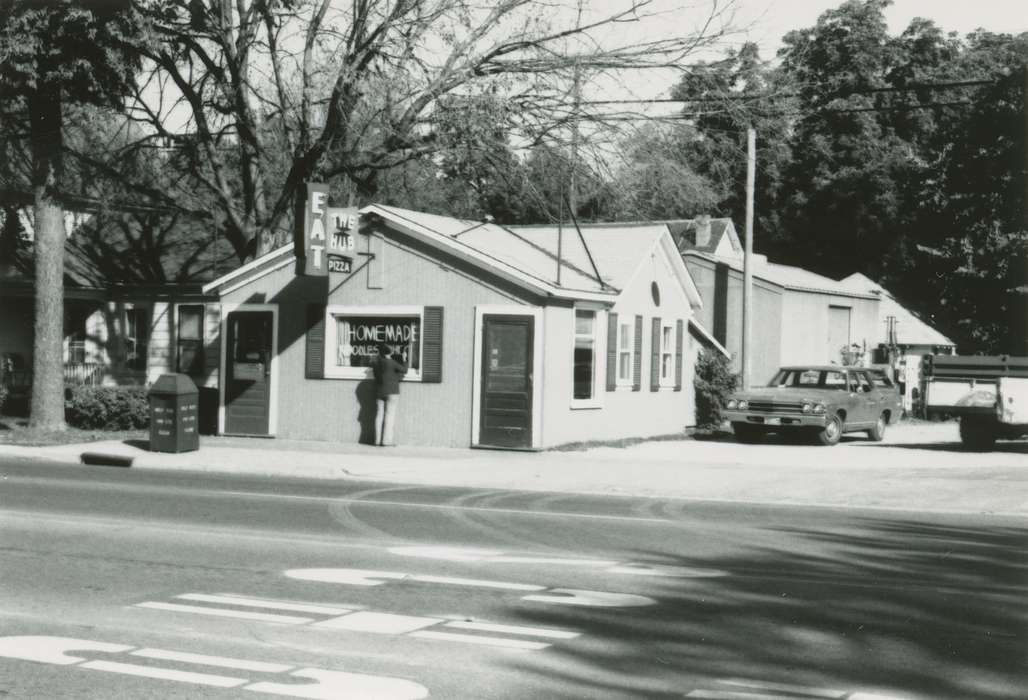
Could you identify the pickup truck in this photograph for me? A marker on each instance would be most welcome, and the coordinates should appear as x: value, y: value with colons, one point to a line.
x: 988, y: 393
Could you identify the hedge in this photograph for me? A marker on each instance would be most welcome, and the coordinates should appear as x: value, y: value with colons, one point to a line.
x: 107, y: 407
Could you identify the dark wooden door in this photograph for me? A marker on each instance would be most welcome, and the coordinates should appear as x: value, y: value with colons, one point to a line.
x: 506, y: 402
x: 248, y: 373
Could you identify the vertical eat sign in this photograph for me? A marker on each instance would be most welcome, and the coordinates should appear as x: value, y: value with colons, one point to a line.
x: 310, y: 235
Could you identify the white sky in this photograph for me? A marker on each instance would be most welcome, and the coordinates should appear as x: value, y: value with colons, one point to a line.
x: 768, y: 20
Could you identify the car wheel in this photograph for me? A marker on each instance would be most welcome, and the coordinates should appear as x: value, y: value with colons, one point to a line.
x: 878, y: 432
x: 749, y: 434
x: 832, y: 432
x: 977, y: 434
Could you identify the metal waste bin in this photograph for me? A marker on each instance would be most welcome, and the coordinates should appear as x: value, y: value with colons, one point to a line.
x: 174, y: 402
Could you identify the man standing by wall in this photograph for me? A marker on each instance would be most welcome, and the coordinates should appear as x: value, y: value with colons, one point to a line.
x: 388, y: 373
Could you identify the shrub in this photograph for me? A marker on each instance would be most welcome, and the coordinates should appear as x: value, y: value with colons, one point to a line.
x: 107, y: 407
x: 714, y: 381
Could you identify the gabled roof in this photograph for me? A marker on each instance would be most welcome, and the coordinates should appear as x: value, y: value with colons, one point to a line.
x: 529, y: 255
x: 524, y: 255
x: 910, y: 330
x: 787, y: 276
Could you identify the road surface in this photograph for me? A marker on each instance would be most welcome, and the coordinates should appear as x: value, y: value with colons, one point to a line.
x: 139, y: 584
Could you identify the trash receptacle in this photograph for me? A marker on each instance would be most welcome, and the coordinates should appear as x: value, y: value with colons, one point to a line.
x: 174, y: 402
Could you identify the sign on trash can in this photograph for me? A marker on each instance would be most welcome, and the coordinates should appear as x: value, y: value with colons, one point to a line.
x: 174, y: 402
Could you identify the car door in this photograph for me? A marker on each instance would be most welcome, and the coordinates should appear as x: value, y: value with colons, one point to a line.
x: 868, y: 397
x: 856, y: 409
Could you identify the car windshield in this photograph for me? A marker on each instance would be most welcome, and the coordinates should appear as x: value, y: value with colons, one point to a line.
x: 809, y: 379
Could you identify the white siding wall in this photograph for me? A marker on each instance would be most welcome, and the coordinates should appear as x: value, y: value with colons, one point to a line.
x: 805, y: 325
x: 624, y: 413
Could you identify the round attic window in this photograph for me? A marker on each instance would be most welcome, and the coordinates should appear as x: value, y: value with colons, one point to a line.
x: 655, y: 293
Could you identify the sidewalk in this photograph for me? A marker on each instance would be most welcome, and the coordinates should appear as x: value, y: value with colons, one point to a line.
x: 920, y: 467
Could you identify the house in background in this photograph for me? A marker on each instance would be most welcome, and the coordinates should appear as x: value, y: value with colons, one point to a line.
x: 119, y: 326
x: 903, y: 339
x: 799, y: 317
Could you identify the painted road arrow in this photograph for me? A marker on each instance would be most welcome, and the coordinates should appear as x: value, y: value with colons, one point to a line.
x: 325, y: 684
x: 539, y: 594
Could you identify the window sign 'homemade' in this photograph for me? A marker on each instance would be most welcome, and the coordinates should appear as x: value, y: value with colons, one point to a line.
x: 358, y: 339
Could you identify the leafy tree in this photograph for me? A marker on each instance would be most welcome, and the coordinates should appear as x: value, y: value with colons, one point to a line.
x: 723, y: 99
x: 278, y: 92
x: 659, y: 178
x: 53, y: 53
x: 971, y: 249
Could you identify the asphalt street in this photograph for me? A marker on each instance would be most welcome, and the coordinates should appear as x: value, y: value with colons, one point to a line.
x: 150, y: 584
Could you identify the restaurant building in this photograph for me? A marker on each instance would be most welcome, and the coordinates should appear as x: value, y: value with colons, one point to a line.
x: 516, y: 337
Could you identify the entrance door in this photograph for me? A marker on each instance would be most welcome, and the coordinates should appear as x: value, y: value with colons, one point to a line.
x: 248, y: 372
x: 506, y: 406
x: 838, y: 332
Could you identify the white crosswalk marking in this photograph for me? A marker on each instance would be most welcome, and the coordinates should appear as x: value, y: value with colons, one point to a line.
x: 380, y: 623
x: 555, y: 596
x: 591, y: 599
x: 334, y: 685
x: 165, y: 674
x: 360, y: 621
x: 321, y: 684
x: 521, y: 644
x: 204, y: 660
x: 263, y: 603
x: 511, y: 629
x: 222, y: 612
x: 360, y: 577
x: 492, y: 556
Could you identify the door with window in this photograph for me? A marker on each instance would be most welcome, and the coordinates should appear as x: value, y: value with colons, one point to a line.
x: 506, y: 401
x: 248, y: 372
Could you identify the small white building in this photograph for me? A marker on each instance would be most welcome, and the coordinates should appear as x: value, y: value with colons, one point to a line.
x: 517, y: 337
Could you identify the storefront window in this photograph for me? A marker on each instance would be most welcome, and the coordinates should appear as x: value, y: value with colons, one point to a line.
x: 356, y: 333
x: 585, y: 354
x: 358, y: 339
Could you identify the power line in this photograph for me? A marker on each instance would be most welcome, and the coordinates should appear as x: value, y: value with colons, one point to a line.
x: 912, y: 87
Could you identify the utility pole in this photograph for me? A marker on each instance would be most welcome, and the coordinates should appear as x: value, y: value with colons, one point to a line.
x: 576, y: 95
x: 747, y: 260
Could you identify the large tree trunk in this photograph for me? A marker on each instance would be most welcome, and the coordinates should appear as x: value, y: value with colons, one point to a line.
x: 48, y: 361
